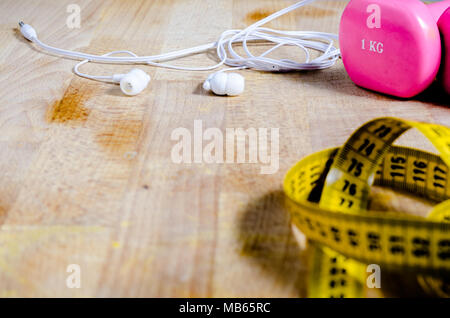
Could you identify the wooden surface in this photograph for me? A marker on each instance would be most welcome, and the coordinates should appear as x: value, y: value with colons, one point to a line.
x: 86, y: 175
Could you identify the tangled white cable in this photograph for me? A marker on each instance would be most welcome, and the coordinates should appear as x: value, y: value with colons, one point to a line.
x: 305, y: 40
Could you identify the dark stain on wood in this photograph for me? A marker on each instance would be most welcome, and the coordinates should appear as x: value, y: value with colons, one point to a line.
x: 258, y: 15
x: 120, y: 136
x: 307, y: 11
x: 70, y: 109
x: 3, y: 215
x: 116, y: 136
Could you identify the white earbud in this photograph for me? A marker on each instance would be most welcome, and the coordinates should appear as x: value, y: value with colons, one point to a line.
x: 132, y: 83
x: 222, y: 83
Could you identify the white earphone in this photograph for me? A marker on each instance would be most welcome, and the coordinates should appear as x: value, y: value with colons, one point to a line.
x: 223, y: 83
x: 132, y: 83
x: 220, y: 83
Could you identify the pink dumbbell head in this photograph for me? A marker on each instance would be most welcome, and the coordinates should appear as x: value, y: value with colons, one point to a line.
x: 444, y: 27
x: 391, y: 46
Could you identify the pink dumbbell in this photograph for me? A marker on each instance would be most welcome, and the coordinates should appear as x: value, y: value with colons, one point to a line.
x: 444, y: 27
x: 394, y: 46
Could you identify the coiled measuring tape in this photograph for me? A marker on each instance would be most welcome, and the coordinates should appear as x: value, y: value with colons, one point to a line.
x: 327, y: 194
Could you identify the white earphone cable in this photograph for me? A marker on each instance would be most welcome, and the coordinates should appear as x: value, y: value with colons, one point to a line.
x: 319, y: 41
x: 100, y: 78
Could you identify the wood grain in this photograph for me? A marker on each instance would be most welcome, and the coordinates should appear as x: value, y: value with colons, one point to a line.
x: 86, y: 175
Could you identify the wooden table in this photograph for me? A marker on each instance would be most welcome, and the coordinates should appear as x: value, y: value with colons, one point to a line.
x: 86, y: 175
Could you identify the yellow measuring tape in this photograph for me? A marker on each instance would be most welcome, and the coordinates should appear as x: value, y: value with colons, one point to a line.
x: 328, y: 196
